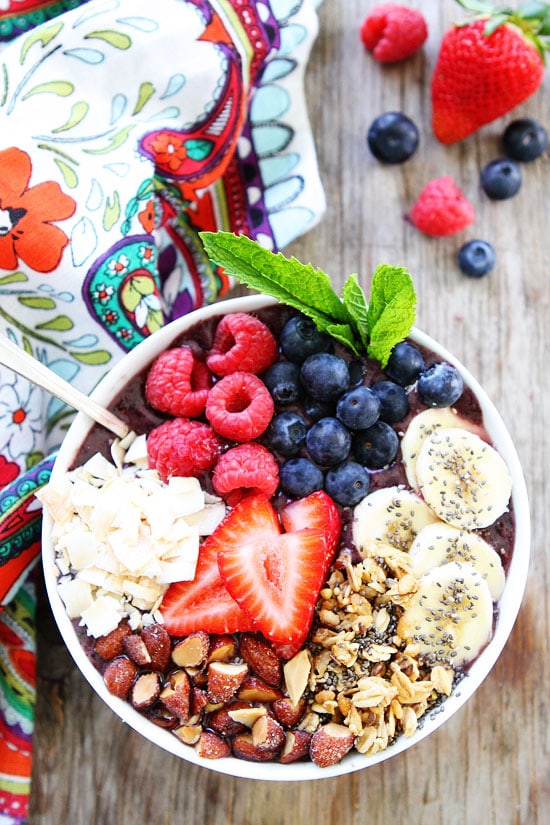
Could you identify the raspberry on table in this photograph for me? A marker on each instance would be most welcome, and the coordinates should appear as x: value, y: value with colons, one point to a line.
x: 442, y: 208
x: 393, y: 32
x: 178, y: 383
x: 239, y: 406
x: 242, y: 343
x: 243, y: 470
x: 181, y: 447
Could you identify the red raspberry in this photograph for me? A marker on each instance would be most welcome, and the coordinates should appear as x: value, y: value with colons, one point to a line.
x: 239, y: 406
x: 181, y: 447
x: 178, y: 383
x: 244, y: 470
x: 241, y: 343
x: 393, y: 32
x: 442, y: 209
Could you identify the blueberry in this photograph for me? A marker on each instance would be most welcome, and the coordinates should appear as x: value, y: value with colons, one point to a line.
x: 392, y: 137
x: 394, y: 404
x: 328, y: 441
x: 317, y: 409
x: 476, y: 258
x: 282, y: 380
x: 524, y: 139
x: 500, y: 179
x: 299, y: 477
x: 440, y: 385
x: 377, y: 446
x: 300, y: 337
x: 358, y: 408
x: 325, y: 376
x: 404, y: 364
x: 347, y: 484
x: 286, y: 433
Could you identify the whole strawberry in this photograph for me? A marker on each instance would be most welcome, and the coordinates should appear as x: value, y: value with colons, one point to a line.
x: 487, y: 66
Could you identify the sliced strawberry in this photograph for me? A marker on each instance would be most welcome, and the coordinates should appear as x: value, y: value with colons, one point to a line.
x: 317, y: 511
x: 204, y: 603
x: 275, y: 578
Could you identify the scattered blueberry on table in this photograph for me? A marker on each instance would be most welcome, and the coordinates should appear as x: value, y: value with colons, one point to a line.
x: 393, y: 137
x: 500, y: 179
x: 476, y: 258
x: 524, y: 140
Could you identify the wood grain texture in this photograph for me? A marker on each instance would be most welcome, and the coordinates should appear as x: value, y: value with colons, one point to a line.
x: 489, y: 765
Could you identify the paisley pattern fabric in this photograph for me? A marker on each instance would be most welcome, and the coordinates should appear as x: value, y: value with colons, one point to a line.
x: 17, y: 699
x: 126, y: 127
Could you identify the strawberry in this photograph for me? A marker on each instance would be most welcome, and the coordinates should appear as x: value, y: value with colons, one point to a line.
x: 204, y: 603
x: 274, y: 577
x: 393, y: 32
x: 252, y: 576
x: 487, y: 66
x: 317, y: 511
x: 441, y: 208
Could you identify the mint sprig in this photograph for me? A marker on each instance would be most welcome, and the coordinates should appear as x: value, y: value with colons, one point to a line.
x: 391, y: 312
x: 365, y: 327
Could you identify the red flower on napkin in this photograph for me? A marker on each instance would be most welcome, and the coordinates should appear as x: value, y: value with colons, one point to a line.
x: 27, y: 213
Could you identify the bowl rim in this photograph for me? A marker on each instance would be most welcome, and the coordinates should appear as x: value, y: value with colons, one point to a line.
x: 508, y: 606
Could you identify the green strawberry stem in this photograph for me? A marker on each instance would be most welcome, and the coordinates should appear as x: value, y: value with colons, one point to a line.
x: 531, y: 18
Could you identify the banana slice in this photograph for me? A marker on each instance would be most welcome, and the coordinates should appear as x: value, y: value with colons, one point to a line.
x: 421, y: 427
x: 463, y: 478
x: 450, y: 617
x: 393, y: 515
x: 437, y: 544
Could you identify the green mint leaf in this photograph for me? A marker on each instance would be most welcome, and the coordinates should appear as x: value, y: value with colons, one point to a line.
x: 391, y: 312
x: 374, y: 328
x: 356, y: 305
x: 291, y: 282
x: 343, y: 333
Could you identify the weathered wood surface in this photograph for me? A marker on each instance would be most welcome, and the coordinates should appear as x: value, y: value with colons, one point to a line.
x: 490, y: 763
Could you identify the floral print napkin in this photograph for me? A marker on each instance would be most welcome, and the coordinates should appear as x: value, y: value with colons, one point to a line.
x: 126, y: 127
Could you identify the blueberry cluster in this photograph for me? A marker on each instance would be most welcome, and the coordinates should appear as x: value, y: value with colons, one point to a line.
x: 393, y: 138
x: 330, y: 429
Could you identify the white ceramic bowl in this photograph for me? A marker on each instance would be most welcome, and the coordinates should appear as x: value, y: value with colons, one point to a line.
x: 509, y: 604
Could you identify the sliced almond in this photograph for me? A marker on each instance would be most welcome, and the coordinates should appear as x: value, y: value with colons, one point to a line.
x: 247, y: 716
x: 296, y: 672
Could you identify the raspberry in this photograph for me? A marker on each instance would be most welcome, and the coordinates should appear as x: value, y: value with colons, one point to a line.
x: 393, y: 32
x: 178, y: 383
x: 244, y: 470
x: 239, y: 406
x: 181, y: 447
x: 241, y: 343
x: 442, y: 209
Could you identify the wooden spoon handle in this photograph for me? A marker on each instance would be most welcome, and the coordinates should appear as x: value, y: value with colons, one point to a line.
x: 24, y: 364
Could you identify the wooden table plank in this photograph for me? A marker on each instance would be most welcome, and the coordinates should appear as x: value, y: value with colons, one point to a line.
x: 489, y: 763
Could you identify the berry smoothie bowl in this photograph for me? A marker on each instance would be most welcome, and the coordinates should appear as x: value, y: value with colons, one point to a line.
x: 312, y: 546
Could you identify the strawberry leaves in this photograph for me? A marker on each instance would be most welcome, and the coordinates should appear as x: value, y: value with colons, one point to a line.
x: 532, y: 18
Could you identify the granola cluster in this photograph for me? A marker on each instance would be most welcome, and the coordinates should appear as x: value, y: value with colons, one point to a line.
x: 364, y: 674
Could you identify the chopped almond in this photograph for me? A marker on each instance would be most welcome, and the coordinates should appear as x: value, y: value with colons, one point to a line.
x: 224, y: 680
